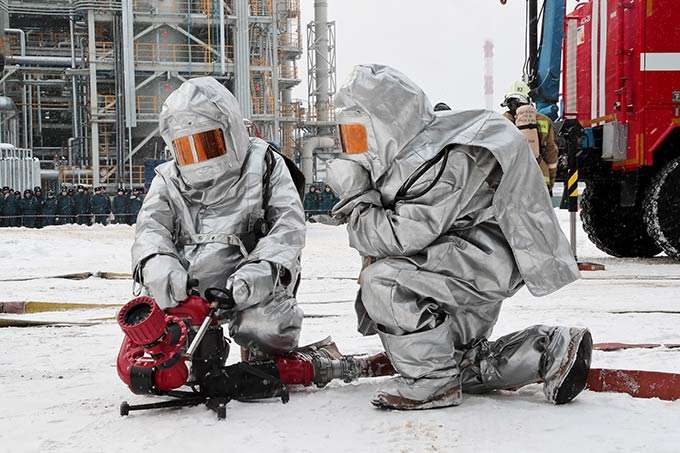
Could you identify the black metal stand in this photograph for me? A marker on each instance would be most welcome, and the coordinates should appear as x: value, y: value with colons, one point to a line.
x: 184, y: 399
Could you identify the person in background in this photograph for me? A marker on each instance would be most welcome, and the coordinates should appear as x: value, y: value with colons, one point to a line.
x: 49, y: 209
x: 16, y: 220
x: 81, y: 204
x: 120, y: 206
x: 37, y: 193
x: 101, y: 206
x: 135, y: 206
x: 65, y: 206
x: 29, y: 209
x: 7, y: 207
x: 517, y: 101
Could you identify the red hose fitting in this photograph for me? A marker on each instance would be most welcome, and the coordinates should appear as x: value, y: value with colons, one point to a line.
x: 295, y: 371
x: 142, y: 320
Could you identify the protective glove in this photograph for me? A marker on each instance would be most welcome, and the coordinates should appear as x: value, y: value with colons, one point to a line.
x: 252, y: 284
x: 345, y: 207
x: 347, y: 178
x: 166, y: 280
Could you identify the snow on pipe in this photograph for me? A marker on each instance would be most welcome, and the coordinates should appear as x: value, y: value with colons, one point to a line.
x: 308, y: 148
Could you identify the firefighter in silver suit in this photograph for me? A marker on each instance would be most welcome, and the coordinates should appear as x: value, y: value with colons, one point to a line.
x: 451, y: 215
x: 224, y: 211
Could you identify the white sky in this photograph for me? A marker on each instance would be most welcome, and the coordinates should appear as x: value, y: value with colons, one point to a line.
x: 437, y: 43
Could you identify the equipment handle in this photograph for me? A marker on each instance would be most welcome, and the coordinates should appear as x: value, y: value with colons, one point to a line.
x: 222, y: 297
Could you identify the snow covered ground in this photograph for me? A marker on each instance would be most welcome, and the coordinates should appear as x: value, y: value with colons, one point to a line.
x: 60, y: 391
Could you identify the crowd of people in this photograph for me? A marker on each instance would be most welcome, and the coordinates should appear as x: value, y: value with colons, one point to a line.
x: 35, y: 209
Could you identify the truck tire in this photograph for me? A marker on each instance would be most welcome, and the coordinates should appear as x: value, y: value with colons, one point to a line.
x: 662, y: 213
x: 616, y: 230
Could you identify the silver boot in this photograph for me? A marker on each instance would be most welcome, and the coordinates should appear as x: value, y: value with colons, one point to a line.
x: 557, y: 356
x: 428, y: 373
x: 565, y: 376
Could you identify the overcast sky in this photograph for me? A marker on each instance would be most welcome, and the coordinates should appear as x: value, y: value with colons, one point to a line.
x: 437, y: 43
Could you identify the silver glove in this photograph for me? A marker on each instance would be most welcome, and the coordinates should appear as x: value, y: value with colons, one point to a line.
x: 252, y: 284
x: 165, y: 279
x: 344, y: 207
x: 347, y: 178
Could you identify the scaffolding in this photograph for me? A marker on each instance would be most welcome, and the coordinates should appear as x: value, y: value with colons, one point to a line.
x: 90, y: 77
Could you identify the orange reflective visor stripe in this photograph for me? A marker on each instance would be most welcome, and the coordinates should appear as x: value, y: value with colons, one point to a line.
x: 354, y: 138
x: 209, y: 144
x: 183, y: 152
x: 206, y: 145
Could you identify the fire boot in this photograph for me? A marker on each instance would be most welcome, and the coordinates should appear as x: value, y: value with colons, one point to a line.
x: 557, y: 356
x: 429, y: 376
x: 566, y: 376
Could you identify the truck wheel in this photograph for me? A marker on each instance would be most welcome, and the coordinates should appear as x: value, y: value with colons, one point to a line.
x: 662, y: 209
x: 616, y: 230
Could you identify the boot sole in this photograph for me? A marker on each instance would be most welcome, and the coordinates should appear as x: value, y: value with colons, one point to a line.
x: 575, y: 382
x: 452, y: 397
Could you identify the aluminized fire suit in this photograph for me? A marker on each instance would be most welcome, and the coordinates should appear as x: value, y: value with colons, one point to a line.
x: 197, y: 221
x: 444, y: 260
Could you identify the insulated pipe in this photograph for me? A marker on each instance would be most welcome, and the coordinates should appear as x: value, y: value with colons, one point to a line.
x: 22, y: 43
x: 308, y: 148
x: 322, y: 63
x: 34, y: 60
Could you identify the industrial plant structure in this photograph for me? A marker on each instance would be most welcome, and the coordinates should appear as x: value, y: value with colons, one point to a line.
x: 87, y: 78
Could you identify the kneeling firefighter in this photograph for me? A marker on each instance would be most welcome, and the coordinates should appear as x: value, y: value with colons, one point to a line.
x: 226, y: 212
x: 451, y: 216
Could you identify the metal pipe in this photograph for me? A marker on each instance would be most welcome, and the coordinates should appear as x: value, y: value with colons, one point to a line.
x: 24, y: 100
x: 70, y: 151
x: 34, y: 60
x: 322, y: 63
x: 307, y: 161
x: 40, y: 123
x: 30, y: 113
x: 74, y: 94
x: 94, y: 108
x: 242, y: 57
x: 223, y: 47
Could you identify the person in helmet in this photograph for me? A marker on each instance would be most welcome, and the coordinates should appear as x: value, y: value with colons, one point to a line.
x: 441, y: 107
x: 40, y: 201
x: 526, y: 118
x: 224, y: 211
x: 451, y: 217
x: 82, y: 206
x: 49, y: 209
x: 9, y: 208
x: 29, y: 209
x: 120, y: 207
x: 65, y: 207
x: 135, y: 204
x: 101, y: 206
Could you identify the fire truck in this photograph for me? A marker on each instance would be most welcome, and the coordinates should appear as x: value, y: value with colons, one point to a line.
x: 619, y: 66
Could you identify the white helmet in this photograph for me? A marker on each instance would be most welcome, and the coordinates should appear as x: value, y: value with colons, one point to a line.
x: 518, y: 90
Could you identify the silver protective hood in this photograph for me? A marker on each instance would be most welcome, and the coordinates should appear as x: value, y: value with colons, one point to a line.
x: 392, y: 107
x: 199, y: 105
x: 407, y: 133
